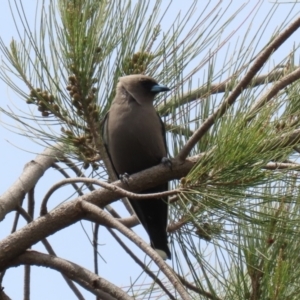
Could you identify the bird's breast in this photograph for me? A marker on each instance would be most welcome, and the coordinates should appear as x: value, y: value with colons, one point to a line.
x: 135, y: 138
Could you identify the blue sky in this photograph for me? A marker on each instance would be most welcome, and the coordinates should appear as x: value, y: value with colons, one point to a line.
x: 72, y: 243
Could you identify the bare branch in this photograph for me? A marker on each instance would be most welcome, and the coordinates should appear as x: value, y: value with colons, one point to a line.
x: 27, y: 282
x: 95, y: 247
x: 284, y: 140
x: 27, y: 268
x: 90, y: 281
x: 3, y: 296
x: 282, y: 166
x: 33, y: 171
x: 129, y: 222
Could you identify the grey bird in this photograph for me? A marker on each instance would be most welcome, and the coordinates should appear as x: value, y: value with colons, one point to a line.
x: 134, y: 137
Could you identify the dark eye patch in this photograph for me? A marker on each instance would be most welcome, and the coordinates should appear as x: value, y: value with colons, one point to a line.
x: 147, y: 84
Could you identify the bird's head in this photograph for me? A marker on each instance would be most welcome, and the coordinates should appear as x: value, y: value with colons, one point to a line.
x: 141, y: 88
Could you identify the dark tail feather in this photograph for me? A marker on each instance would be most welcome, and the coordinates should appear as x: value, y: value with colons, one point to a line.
x: 153, y: 214
x: 162, y: 249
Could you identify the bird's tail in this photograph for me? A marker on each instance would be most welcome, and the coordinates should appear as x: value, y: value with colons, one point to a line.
x: 153, y: 214
x: 164, y: 253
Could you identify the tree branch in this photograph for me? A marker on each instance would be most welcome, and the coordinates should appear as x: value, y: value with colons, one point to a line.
x: 78, y: 172
x: 109, y: 186
x: 258, y: 63
x: 90, y: 281
x: 69, y: 213
x: 66, y: 175
x: 108, y: 219
x: 33, y: 171
x: 284, y: 140
x: 273, y: 91
x: 217, y: 88
x: 50, y: 250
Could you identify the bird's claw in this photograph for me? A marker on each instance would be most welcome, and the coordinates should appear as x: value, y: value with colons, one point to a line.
x: 124, y: 178
x: 166, y: 162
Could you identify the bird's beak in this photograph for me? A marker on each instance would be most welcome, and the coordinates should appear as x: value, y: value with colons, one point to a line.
x: 159, y: 88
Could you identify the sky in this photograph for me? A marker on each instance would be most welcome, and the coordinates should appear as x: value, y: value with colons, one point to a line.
x: 16, y: 151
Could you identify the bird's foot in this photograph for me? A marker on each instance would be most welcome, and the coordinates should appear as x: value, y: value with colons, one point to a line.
x: 166, y: 162
x: 124, y: 178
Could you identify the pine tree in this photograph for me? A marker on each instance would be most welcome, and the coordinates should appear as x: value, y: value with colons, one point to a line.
x: 232, y: 130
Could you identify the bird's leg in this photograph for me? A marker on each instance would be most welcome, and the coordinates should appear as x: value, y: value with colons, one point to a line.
x: 166, y: 162
x: 124, y: 178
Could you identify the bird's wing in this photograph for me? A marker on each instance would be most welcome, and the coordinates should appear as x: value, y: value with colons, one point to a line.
x: 104, y: 134
x: 163, y: 130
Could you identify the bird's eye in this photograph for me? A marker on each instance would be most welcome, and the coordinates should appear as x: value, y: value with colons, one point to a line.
x: 147, y: 84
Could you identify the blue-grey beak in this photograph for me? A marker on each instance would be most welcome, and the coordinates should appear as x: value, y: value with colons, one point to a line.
x: 159, y: 88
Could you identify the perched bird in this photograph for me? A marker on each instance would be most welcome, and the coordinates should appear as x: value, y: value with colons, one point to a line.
x: 134, y: 136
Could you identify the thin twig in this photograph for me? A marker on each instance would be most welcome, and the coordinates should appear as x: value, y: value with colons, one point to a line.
x: 109, y: 208
x: 73, y: 167
x: 27, y: 268
x: 281, y: 166
x: 106, y: 185
x: 197, y: 290
x: 258, y: 63
x: 78, y: 172
x: 27, y: 282
x: 273, y: 91
x: 95, y: 247
x: 66, y: 175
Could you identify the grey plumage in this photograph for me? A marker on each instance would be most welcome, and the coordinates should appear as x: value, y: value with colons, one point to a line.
x: 134, y: 136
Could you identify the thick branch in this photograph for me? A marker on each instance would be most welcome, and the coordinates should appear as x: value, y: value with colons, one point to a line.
x: 33, y: 171
x: 90, y: 281
x: 68, y: 213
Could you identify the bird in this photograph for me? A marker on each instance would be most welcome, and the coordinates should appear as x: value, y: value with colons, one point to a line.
x: 135, y: 139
